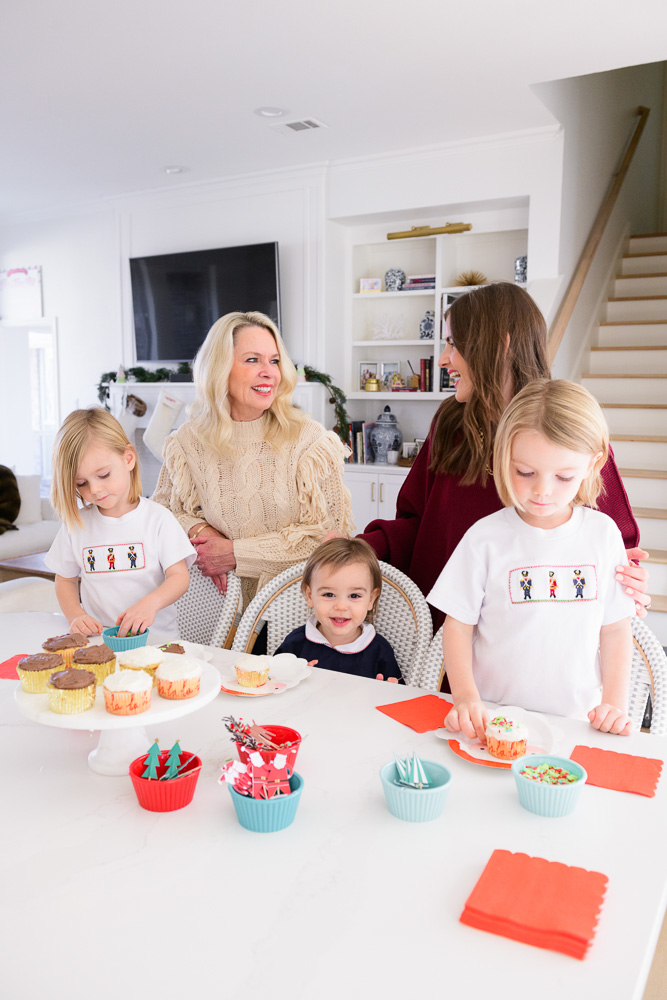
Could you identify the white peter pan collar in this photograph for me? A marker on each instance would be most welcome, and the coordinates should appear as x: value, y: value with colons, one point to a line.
x: 313, y: 634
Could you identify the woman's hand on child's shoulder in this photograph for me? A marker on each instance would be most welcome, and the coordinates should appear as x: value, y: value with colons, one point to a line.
x: 470, y: 717
x: 85, y: 625
x: 608, y: 719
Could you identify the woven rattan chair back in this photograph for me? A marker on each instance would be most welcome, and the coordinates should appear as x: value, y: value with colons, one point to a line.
x: 402, y: 616
x: 433, y: 667
x: 204, y: 615
x: 648, y: 678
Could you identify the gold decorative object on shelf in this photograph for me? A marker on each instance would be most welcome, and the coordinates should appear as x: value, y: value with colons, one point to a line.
x: 372, y: 384
x: 449, y: 227
x: 470, y: 278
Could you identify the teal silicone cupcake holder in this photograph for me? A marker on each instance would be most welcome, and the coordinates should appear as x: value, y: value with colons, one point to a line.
x: 544, y: 799
x: 121, y: 645
x: 416, y: 805
x: 268, y: 815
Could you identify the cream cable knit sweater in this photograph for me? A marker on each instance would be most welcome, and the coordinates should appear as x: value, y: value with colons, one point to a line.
x: 276, y: 506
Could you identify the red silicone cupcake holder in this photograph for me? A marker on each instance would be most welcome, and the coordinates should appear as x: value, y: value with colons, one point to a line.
x: 168, y: 795
x: 280, y: 734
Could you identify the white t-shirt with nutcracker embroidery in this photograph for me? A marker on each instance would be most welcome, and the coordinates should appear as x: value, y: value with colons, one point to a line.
x: 122, y: 559
x: 537, y: 598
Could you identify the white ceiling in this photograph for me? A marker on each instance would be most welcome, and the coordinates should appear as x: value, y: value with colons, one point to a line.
x: 99, y: 98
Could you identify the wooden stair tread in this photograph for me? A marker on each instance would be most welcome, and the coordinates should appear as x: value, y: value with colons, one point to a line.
x: 632, y: 322
x: 624, y: 375
x: 651, y: 274
x: 660, y: 513
x: 634, y: 347
x: 651, y: 438
x: 636, y: 298
x: 645, y: 236
x: 657, y: 555
x: 634, y: 406
x: 644, y: 473
x: 646, y: 253
x: 658, y: 602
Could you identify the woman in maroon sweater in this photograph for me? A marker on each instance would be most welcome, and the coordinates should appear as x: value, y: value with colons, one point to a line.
x: 496, y: 343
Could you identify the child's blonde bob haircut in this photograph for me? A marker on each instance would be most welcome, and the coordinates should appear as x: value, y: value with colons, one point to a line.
x: 79, y: 430
x: 568, y: 416
x: 338, y: 552
x: 210, y: 412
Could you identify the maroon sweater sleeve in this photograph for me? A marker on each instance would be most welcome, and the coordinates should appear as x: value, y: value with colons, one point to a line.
x: 614, y: 502
x: 394, y: 541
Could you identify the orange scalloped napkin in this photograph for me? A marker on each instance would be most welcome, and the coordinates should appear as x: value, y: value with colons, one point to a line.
x: 421, y: 714
x: 8, y: 668
x: 619, y: 771
x: 543, y: 903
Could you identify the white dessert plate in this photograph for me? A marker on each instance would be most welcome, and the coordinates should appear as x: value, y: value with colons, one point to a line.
x: 193, y: 649
x: 540, y: 739
x: 286, y: 672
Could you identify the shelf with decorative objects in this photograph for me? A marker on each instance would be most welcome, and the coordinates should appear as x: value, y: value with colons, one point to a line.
x: 381, y: 274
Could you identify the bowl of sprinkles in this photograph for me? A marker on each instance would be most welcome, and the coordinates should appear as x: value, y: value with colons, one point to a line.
x: 548, y: 786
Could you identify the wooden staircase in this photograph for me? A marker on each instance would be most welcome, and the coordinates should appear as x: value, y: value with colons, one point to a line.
x: 627, y: 372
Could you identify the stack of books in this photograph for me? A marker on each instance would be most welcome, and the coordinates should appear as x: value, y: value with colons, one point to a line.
x: 360, y: 443
x: 419, y: 283
x: 426, y: 375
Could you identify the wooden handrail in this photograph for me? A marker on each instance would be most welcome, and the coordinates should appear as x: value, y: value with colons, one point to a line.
x: 566, y: 308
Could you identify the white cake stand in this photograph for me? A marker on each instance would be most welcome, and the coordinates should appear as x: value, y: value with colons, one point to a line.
x: 122, y: 737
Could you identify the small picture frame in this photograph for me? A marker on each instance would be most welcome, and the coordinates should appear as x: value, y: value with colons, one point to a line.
x: 389, y: 368
x: 370, y: 284
x: 367, y: 369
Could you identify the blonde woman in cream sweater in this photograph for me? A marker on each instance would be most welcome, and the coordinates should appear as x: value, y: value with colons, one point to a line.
x: 254, y: 482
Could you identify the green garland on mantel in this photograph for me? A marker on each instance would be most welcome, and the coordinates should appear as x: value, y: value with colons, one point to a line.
x: 138, y: 374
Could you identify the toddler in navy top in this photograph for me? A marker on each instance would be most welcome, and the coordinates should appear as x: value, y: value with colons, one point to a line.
x: 341, y: 583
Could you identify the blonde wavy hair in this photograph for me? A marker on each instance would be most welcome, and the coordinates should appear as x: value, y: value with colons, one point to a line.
x: 210, y: 413
x: 79, y: 430
x: 565, y: 414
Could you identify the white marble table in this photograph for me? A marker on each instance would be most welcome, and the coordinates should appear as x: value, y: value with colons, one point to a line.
x: 101, y: 899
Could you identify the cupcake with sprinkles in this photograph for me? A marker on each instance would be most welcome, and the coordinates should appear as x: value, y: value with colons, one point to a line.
x: 506, y: 738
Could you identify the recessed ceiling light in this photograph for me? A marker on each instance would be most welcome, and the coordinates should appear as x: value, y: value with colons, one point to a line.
x: 270, y: 112
x: 174, y: 170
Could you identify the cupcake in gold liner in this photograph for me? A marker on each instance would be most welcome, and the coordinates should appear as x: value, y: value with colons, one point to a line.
x: 128, y: 692
x: 146, y: 658
x: 34, y: 671
x: 252, y: 671
x: 65, y: 646
x: 178, y: 677
x: 98, y: 658
x: 71, y: 691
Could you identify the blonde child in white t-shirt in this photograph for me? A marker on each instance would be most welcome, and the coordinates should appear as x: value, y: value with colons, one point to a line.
x: 128, y: 555
x: 530, y: 591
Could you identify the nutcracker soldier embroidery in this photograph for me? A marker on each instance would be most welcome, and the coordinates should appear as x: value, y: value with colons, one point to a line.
x: 579, y: 582
x: 553, y: 583
x: 525, y: 583
x: 111, y: 558
x: 90, y: 559
x: 132, y: 556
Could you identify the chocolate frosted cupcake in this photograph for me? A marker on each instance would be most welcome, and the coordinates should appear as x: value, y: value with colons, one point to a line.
x: 71, y: 690
x: 65, y: 646
x: 100, y: 659
x: 172, y: 647
x: 34, y: 671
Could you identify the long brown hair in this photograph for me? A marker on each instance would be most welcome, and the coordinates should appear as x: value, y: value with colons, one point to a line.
x: 479, y: 322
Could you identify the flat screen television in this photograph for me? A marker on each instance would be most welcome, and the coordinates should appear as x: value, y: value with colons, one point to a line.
x: 177, y: 297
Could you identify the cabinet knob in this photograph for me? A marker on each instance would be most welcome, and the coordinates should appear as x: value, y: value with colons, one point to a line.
x: 381, y: 492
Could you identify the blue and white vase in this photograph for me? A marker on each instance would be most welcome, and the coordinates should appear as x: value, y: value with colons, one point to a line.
x: 427, y: 325
x: 385, y: 436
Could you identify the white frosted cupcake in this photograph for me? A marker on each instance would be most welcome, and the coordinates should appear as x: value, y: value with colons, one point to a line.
x: 128, y: 692
x: 252, y: 671
x: 146, y: 658
x: 506, y: 738
x: 178, y: 677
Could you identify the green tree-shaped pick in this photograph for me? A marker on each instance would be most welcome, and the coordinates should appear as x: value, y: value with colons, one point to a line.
x: 152, y: 761
x: 173, y: 761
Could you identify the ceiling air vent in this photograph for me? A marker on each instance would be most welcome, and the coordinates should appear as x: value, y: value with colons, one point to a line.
x: 298, y: 125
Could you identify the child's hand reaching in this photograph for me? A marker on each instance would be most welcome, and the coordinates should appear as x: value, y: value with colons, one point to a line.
x: 608, y: 719
x: 137, y: 618
x: 390, y: 680
x: 85, y: 625
x: 470, y: 717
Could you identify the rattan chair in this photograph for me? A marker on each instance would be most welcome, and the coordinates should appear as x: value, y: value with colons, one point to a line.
x: 204, y: 615
x: 648, y: 678
x: 402, y: 616
x: 432, y: 669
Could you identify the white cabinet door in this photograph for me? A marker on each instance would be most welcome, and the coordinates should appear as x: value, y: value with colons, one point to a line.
x: 388, y: 490
x: 365, y: 492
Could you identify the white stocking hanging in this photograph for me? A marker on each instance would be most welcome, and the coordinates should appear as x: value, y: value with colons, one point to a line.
x: 164, y: 417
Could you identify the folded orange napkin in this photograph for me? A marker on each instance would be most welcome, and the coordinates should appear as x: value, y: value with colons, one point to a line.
x: 8, y: 668
x: 543, y: 903
x: 421, y: 714
x: 620, y: 771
